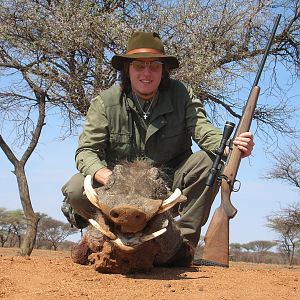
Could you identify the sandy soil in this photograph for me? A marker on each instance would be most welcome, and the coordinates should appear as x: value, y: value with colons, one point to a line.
x: 52, y: 275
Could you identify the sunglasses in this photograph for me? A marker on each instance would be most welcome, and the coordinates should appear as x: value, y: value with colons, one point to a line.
x: 154, y: 66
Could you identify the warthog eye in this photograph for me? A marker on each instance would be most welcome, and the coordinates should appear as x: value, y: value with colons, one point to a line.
x: 114, y: 214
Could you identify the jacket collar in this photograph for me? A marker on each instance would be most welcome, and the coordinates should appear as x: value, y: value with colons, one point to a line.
x: 157, y: 121
x: 163, y: 106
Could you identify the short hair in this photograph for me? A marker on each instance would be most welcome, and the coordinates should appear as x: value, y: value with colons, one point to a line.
x: 125, y: 79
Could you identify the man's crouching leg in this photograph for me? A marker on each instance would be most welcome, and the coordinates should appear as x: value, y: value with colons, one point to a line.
x: 191, y: 177
x: 76, y: 207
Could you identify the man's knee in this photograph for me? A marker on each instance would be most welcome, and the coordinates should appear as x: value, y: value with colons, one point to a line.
x: 195, y: 169
x: 201, y: 160
x: 73, y: 203
x: 73, y: 189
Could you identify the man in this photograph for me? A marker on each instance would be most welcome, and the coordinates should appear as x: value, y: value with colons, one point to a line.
x: 153, y: 117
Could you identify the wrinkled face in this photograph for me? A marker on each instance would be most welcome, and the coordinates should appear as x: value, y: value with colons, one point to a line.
x: 134, y: 198
x: 145, y: 75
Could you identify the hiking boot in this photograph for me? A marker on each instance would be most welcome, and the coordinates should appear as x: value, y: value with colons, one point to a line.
x: 73, y: 218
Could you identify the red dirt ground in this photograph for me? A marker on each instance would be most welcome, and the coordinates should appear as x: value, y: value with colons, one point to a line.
x: 52, y: 275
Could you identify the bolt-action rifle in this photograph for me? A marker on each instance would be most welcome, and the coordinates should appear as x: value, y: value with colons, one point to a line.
x: 216, y: 249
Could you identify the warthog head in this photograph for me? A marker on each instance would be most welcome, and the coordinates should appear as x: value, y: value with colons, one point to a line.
x: 132, y: 204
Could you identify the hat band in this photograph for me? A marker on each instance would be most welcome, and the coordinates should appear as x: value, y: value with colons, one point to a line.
x: 144, y: 50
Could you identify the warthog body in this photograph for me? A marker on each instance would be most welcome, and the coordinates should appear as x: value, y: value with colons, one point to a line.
x: 133, y: 229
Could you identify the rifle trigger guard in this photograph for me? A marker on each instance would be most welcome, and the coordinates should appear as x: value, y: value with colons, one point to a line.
x: 236, y: 188
x: 225, y: 178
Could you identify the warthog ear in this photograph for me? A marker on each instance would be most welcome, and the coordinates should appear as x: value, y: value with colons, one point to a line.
x: 117, y: 173
x: 110, y: 182
x: 153, y: 173
x: 118, y: 170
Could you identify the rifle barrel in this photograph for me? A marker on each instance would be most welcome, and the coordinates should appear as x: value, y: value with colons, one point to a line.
x: 263, y: 61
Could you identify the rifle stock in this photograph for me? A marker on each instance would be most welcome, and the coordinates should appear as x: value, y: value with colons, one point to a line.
x: 216, y: 249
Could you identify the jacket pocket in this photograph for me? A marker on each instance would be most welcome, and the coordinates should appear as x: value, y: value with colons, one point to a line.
x: 175, y: 140
x: 172, y: 144
x: 119, y: 146
x: 119, y: 140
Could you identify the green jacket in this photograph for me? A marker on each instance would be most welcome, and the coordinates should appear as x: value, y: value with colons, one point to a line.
x: 114, y: 129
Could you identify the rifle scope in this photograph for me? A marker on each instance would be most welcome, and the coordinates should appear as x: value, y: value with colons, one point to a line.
x: 216, y: 168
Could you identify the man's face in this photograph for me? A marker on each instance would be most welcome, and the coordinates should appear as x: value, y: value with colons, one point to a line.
x: 145, y: 76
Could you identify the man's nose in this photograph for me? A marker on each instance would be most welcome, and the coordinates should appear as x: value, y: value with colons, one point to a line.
x: 146, y: 69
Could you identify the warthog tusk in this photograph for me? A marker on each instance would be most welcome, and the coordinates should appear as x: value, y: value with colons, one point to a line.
x: 89, y: 191
x: 118, y: 243
x: 138, y: 241
x: 171, y: 201
x: 109, y: 234
x: 153, y: 235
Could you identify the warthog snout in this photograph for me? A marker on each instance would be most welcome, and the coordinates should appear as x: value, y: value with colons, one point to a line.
x: 130, y: 218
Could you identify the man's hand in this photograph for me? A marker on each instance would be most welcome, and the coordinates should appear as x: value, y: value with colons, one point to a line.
x: 102, y: 175
x: 245, y: 143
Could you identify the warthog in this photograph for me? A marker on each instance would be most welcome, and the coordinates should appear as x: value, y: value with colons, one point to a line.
x: 133, y: 229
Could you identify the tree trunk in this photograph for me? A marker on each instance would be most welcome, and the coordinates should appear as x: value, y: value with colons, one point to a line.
x: 19, y: 240
x: 28, y: 242
x: 32, y: 220
x: 291, y: 260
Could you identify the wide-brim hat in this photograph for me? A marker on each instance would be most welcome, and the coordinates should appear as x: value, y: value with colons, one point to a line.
x: 144, y: 45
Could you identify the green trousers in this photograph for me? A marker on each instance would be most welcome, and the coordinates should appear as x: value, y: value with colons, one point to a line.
x: 190, y: 177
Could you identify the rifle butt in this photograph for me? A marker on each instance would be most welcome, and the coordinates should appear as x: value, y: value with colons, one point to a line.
x: 216, y: 248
